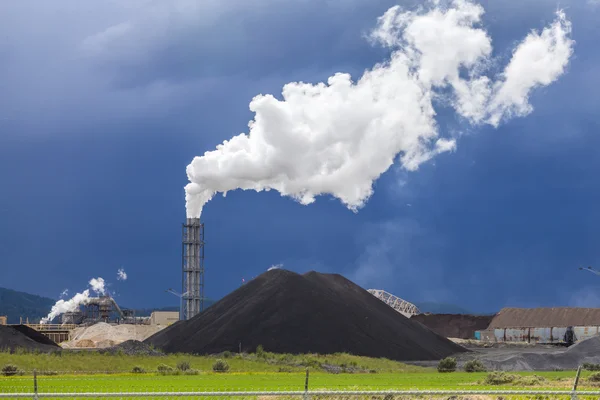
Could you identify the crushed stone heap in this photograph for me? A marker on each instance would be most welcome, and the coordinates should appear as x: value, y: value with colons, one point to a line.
x: 286, y: 312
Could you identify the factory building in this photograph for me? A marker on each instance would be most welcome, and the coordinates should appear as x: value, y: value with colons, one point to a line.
x: 559, y: 325
x: 164, y: 318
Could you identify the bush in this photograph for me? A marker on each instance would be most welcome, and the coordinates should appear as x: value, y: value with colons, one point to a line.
x: 474, y: 366
x: 591, y: 367
x: 595, y: 377
x: 285, y: 369
x: 183, y: 366
x: 260, y: 351
x: 220, y: 366
x: 137, y: 370
x: 530, y: 380
x: 10, y: 370
x: 448, y: 364
x: 499, y: 378
x: 164, y: 369
x: 227, y: 354
x: 191, y: 372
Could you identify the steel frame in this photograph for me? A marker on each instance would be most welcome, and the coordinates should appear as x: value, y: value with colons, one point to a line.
x: 402, y: 306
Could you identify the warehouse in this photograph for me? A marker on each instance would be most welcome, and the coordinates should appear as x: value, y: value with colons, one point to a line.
x: 560, y: 325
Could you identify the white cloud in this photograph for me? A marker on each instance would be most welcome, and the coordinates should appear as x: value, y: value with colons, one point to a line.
x: 338, y: 137
x: 121, y: 275
x: 538, y: 61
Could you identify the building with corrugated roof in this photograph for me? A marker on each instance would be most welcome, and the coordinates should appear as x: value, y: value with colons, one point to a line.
x: 553, y: 325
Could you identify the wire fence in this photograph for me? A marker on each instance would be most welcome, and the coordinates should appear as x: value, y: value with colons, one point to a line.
x: 314, y: 395
x: 63, y: 388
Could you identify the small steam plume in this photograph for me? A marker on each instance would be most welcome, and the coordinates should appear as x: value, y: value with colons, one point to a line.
x: 71, y: 305
x: 98, y: 285
x: 64, y: 293
x: 339, y: 137
x: 276, y: 266
x: 121, y: 275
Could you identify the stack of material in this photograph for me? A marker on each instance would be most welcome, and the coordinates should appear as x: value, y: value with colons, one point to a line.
x: 103, y: 335
x: 23, y: 337
x: 459, y: 326
x: 311, y: 313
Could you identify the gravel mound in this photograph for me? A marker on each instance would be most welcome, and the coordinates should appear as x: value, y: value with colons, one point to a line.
x: 103, y: 335
x: 12, y: 339
x: 133, y: 348
x: 34, y: 335
x: 454, y: 325
x: 543, y: 359
x: 311, y: 313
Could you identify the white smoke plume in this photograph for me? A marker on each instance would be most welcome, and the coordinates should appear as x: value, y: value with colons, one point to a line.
x: 63, y: 306
x: 121, y: 275
x: 276, y: 266
x: 338, y: 138
x: 98, y: 285
x: 64, y: 293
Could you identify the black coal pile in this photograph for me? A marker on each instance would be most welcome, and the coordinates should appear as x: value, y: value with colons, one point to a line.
x: 460, y: 326
x: 12, y: 339
x: 34, y: 335
x: 312, y: 313
x: 132, y: 348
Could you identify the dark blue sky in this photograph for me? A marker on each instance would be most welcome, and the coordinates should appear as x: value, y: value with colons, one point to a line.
x: 94, y: 146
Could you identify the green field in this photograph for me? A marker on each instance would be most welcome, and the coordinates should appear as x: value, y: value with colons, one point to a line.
x: 93, y: 372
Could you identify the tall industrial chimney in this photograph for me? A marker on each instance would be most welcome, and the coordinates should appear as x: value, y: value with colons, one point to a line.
x: 193, y: 268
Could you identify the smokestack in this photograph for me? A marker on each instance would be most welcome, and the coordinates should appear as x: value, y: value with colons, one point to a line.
x: 192, y: 300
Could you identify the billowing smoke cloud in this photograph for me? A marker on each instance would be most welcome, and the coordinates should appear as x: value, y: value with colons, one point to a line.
x: 121, y: 275
x: 98, y: 285
x: 338, y: 138
x: 71, y: 305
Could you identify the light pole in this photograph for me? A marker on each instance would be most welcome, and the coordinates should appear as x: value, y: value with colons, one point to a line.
x: 181, y: 316
x: 592, y: 270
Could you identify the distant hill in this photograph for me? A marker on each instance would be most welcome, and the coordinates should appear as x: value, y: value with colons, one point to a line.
x: 16, y: 304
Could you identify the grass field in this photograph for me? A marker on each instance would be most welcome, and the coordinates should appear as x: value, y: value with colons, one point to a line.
x: 93, y: 362
x: 89, y: 371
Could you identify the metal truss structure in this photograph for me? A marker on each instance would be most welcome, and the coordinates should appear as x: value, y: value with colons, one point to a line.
x: 402, y: 306
x: 193, y: 268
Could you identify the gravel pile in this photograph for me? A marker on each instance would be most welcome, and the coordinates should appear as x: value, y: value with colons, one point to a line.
x: 311, y: 313
x: 12, y: 339
x: 103, y: 335
x: 133, y: 348
x: 541, y: 358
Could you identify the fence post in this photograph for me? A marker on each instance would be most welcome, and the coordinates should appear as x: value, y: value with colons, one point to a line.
x: 306, y: 386
x: 35, y: 385
x: 574, y: 392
